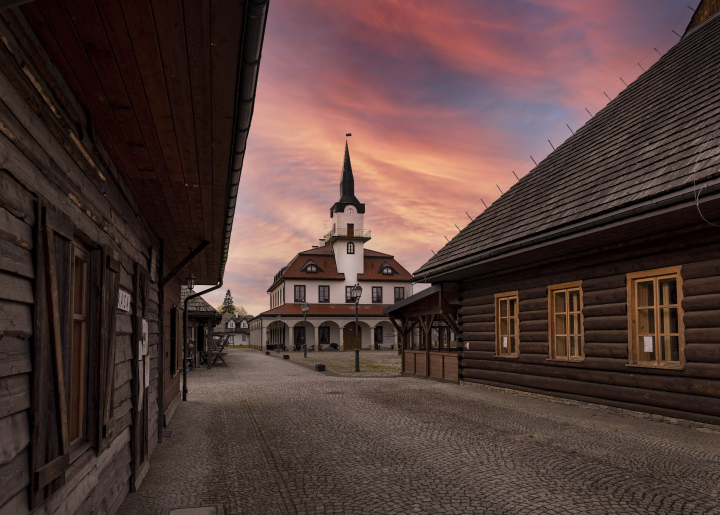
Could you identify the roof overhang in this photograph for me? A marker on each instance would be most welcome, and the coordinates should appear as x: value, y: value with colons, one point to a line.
x: 169, y: 91
x: 659, y: 216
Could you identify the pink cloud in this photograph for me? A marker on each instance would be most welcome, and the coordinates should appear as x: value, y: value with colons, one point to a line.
x: 444, y: 100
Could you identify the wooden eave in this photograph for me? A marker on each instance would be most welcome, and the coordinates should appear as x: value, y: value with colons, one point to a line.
x: 158, y: 83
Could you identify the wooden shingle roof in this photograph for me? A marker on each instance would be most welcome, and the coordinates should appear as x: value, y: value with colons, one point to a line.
x: 653, y: 139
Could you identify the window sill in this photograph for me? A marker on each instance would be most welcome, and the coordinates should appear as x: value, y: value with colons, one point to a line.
x: 661, y: 367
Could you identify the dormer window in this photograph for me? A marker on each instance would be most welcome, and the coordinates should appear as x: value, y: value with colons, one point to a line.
x: 231, y: 324
x: 310, y: 267
x: 350, y: 248
x: 387, y: 270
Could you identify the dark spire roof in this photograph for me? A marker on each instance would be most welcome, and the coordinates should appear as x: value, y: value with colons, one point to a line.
x: 347, y: 183
x: 347, y: 188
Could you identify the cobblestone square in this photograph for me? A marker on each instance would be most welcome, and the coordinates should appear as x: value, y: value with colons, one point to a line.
x: 266, y: 436
x: 373, y: 363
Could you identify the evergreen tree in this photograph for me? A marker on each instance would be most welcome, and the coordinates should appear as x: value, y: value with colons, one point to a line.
x: 227, y: 306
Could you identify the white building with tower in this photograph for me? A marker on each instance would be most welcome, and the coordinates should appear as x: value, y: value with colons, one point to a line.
x: 323, y: 278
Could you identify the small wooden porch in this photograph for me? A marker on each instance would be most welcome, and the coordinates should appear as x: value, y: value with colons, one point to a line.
x: 429, y: 334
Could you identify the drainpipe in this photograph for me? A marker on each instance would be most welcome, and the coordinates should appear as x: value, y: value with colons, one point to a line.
x: 185, y: 333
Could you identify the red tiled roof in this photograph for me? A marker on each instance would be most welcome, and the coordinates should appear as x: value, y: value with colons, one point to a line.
x: 324, y: 258
x: 372, y: 271
x: 324, y: 310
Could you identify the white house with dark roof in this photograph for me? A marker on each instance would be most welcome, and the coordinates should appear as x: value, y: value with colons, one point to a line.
x: 324, y: 275
x: 237, y: 327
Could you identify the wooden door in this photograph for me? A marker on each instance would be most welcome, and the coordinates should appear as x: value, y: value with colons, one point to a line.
x: 351, y: 230
x: 141, y: 379
x: 349, y: 337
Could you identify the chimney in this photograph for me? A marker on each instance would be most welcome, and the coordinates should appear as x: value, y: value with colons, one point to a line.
x: 322, y: 242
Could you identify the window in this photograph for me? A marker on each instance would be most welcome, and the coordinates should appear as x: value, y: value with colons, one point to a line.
x: 399, y: 293
x: 351, y: 248
x: 565, y: 321
x: 231, y: 324
x: 323, y: 293
x: 231, y: 340
x: 243, y: 337
x: 243, y: 325
x: 506, y: 324
x: 299, y: 293
x: 78, y: 352
x: 377, y: 294
x: 387, y: 271
x: 311, y: 269
x: 348, y: 294
x: 656, y: 327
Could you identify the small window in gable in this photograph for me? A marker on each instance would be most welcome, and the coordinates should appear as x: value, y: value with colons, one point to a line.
x: 311, y: 269
x: 387, y: 270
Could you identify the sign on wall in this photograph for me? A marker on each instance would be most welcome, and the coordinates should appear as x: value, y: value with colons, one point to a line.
x: 124, y: 300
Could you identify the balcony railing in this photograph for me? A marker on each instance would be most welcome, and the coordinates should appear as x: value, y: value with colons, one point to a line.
x: 348, y: 233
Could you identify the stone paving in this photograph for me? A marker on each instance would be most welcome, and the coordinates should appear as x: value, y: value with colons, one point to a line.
x: 375, y: 363
x: 266, y: 436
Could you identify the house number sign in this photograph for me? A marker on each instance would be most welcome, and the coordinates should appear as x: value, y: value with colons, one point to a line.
x: 124, y: 300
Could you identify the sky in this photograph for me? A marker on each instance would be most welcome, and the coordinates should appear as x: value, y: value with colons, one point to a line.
x: 444, y: 100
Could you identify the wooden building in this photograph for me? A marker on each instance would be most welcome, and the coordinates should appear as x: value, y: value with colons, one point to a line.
x: 122, y: 133
x: 597, y: 275
x: 426, y: 324
x: 201, y: 318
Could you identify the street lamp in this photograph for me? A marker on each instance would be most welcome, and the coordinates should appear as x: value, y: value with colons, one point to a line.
x: 356, y: 293
x: 190, y: 282
x: 305, y: 308
x: 277, y: 347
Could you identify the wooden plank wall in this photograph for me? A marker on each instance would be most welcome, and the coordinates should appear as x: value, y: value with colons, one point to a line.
x: 171, y: 382
x: 44, y: 153
x: 603, y: 376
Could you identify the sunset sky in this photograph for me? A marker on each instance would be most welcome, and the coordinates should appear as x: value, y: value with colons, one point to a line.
x: 444, y: 101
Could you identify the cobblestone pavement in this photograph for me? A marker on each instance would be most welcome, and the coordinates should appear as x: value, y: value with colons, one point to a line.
x: 267, y: 436
x: 380, y: 363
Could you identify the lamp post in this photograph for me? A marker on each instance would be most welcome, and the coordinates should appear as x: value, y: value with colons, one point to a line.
x: 277, y: 347
x: 356, y: 294
x: 305, y: 308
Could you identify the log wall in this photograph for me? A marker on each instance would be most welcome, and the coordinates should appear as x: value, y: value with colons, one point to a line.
x: 46, y: 153
x: 603, y: 376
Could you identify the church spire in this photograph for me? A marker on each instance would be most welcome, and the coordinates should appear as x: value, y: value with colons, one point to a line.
x: 347, y: 188
x: 347, y: 182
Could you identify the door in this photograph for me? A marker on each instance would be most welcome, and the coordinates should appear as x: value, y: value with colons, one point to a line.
x: 324, y: 335
x: 351, y: 230
x: 349, y: 337
x: 299, y: 339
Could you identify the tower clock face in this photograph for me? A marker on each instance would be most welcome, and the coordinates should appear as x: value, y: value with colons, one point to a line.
x: 350, y: 211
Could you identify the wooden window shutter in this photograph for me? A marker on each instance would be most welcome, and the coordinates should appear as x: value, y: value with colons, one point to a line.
x: 50, y: 446
x: 106, y: 379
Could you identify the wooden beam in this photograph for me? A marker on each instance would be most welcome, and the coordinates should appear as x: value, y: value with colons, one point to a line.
x: 182, y: 264
x: 453, y: 325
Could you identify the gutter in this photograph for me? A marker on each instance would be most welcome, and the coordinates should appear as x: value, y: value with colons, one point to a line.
x: 681, y: 198
x: 253, y: 36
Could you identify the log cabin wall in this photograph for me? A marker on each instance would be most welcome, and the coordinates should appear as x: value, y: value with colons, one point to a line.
x: 48, y: 157
x: 603, y: 376
x: 172, y: 336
